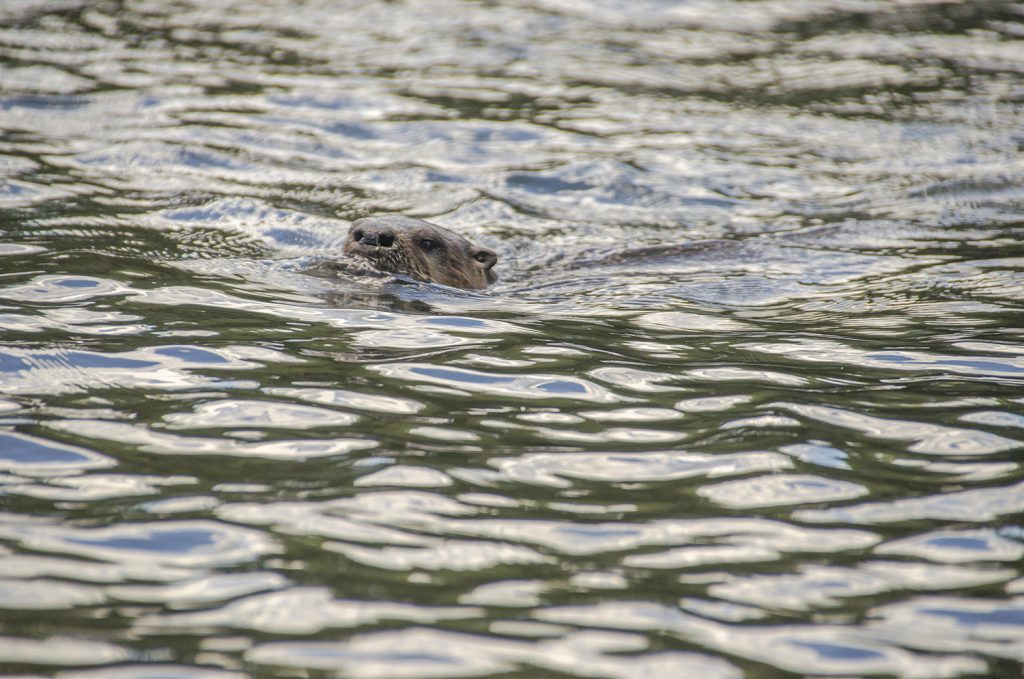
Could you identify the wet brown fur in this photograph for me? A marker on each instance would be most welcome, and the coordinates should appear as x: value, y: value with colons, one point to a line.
x: 422, y: 250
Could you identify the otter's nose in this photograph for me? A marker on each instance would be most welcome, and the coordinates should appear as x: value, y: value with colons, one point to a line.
x: 377, y: 236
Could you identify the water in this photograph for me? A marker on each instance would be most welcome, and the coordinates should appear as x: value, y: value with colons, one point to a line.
x: 747, y: 400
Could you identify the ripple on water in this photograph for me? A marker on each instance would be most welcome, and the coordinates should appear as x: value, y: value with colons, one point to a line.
x: 425, y: 530
x: 74, y: 321
x: 712, y: 404
x: 301, y: 610
x: 64, y: 651
x: 837, y: 345
x: 995, y: 418
x: 632, y: 415
x: 405, y: 475
x: 199, y: 591
x: 956, y: 546
x: 633, y: 379
x: 817, y: 586
x: 45, y: 594
x: 19, y: 249
x: 609, y: 436
x: 33, y: 456
x: 30, y: 566
x: 723, y: 541
x: 443, y: 555
x: 690, y: 322
x: 64, y: 289
x: 781, y: 489
x: 557, y: 469
x: 803, y: 649
x: 434, y: 331
x: 196, y: 544
x: 153, y: 670
x: 733, y: 374
x: 167, y: 367
x: 374, y: 403
x: 978, y: 504
x: 926, y: 438
x: 412, y: 338
x: 829, y: 351
x: 171, y: 444
x: 955, y: 624
x: 91, y: 487
x: 306, y: 518
x: 238, y: 413
x: 519, y: 387
x: 431, y: 653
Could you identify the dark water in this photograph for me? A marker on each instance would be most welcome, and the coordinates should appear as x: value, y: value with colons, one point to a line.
x: 791, y: 448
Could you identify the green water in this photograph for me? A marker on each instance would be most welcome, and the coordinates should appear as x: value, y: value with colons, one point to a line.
x: 746, y: 401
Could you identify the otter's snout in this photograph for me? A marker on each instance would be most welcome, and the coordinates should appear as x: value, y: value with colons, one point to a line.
x: 374, y: 236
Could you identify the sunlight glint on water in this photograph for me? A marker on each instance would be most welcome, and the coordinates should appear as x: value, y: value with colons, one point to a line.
x: 746, y: 401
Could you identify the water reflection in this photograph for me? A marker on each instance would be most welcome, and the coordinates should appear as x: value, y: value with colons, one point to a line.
x: 181, y: 544
x: 436, y: 653
x: 745, y: 401
x: 30, y: 456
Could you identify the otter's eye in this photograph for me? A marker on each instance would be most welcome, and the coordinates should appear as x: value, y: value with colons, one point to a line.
x: 428, y: 244
x: 357, y: 235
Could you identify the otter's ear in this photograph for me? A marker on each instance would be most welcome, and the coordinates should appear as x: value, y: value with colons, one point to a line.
x: 486, y: 258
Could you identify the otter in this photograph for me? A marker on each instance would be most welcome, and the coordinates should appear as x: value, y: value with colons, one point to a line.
x: 422, y: 250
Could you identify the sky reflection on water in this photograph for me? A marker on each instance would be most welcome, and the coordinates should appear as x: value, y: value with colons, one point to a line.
x: 744, y: 402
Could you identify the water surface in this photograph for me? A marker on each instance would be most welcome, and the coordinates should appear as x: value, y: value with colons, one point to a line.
x: 747, y: 400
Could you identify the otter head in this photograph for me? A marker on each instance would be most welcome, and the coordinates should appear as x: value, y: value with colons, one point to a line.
x: 421, y: 250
